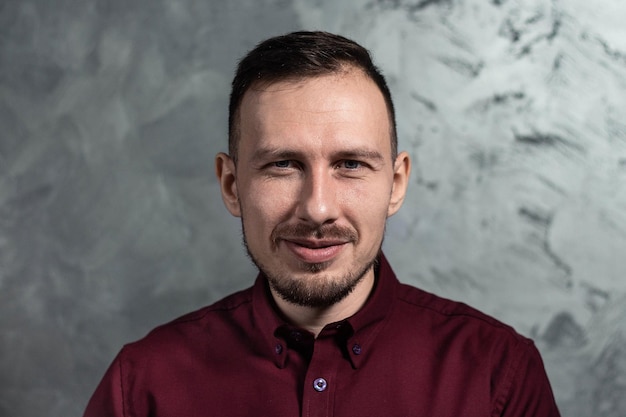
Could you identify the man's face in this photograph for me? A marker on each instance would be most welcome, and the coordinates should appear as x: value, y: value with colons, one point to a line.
x: 314, y: 183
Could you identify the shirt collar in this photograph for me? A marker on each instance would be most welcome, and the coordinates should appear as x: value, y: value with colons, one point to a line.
x: 360, y: 330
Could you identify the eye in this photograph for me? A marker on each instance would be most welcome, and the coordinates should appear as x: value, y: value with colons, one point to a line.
x: 351, y: 164
x: 282, y: 164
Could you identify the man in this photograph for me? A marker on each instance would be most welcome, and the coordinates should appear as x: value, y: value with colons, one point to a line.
x: 327, y: 330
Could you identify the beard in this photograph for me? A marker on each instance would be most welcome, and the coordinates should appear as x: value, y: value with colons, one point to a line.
x: 318, y: 289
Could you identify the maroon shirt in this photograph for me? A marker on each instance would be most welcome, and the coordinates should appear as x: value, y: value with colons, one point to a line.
x: 405, y: 353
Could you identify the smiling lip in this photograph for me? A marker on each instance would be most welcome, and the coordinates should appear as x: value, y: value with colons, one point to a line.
x: 315, y: 251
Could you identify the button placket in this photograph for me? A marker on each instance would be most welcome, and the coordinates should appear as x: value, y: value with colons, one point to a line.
x: 319, y: 393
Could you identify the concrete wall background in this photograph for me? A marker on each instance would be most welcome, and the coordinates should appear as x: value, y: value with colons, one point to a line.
x: 110, y: 216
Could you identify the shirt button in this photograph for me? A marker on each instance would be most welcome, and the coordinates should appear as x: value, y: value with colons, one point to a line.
x: 296, y: 335
x: 320, y: 384
x: 356, y: 349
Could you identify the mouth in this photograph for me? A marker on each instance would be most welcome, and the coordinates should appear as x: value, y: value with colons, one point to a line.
x: 315, y: 251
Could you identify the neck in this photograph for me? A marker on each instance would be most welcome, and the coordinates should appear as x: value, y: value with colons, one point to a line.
x: 314, y: 319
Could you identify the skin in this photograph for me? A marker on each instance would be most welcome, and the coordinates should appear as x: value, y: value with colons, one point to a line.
x: 314, y: 184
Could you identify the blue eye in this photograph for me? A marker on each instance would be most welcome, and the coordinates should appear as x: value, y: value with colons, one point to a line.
x: 282, y: 164
x: 351, y: 164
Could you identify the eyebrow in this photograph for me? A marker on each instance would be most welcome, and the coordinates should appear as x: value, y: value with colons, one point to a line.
x: 361, y: 154
x: 286, y: 154
x: 275, y: 154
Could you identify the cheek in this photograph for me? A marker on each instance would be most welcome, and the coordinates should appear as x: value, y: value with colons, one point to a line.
x: 264, y: 206
x: 366, y: 200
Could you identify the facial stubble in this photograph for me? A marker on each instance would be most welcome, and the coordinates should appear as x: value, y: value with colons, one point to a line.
x: 316, y: 289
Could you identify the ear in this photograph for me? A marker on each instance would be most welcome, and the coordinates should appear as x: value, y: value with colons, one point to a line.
x: 226, y: 175
x: 401, y: 172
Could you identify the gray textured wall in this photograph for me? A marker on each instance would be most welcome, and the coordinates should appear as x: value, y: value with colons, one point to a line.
x: 111, y: 222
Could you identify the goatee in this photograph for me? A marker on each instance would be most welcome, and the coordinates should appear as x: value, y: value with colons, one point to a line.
x: 322, y: 289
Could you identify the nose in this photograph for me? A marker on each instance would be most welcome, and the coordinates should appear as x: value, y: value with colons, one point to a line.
x: 318, y: 198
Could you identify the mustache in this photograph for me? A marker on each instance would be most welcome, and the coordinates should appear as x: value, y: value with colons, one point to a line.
x: 306, y: 231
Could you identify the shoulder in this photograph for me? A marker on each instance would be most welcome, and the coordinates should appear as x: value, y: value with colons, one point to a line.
x: 199, y: 325
x: 465, y: 343
x: 472, y: 342
x: 235, y: 301
x: 457, y: 318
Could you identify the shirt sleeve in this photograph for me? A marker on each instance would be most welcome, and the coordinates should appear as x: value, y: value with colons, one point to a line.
x: 107, y: 400
x: 527, y: 390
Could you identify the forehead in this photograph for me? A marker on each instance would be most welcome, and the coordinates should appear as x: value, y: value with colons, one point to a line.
x: 345, y: 108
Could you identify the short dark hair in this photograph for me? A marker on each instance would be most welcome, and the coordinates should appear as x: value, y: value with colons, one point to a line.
x: 296, y: 56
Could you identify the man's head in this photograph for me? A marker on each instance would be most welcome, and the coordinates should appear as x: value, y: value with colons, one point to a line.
x: 297, y: 56
x: 315, y: 175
